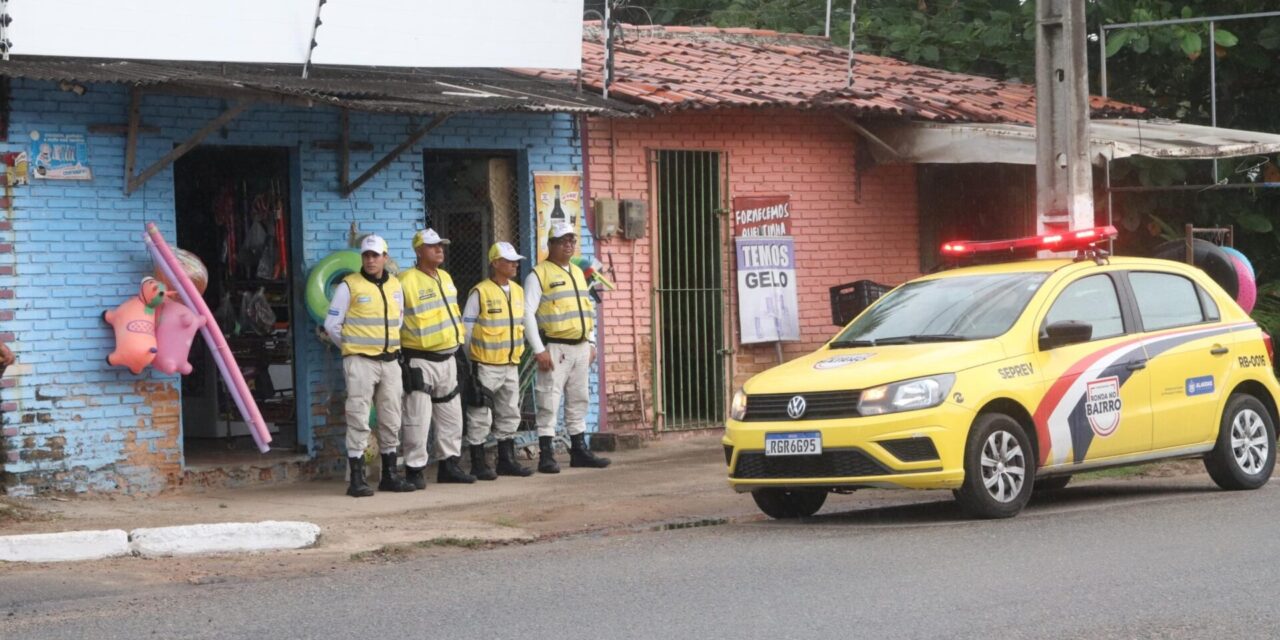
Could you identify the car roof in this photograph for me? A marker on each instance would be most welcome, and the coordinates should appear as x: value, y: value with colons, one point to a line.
x: 1049, y: 265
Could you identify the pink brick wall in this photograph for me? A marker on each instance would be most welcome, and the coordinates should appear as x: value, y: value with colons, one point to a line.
x: 839, y: 237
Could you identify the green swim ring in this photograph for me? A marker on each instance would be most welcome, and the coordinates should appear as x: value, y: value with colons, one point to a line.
x: 326, y: 275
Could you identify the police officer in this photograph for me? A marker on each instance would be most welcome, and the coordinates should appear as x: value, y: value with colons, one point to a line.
x: 364, y: 320
x: 494, y: 314
x: 559, y: 313
x: 430, y: 337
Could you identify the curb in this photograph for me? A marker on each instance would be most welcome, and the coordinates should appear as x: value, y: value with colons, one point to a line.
x: 197, y: 539
x: 229, y: 537
x: 66, y: 546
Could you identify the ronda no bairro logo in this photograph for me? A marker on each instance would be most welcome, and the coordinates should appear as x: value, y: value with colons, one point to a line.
x: 1102, y: 405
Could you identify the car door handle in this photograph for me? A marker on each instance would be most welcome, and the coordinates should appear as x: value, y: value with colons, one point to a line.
x: 1136, y: 365
x: 1219, y: 351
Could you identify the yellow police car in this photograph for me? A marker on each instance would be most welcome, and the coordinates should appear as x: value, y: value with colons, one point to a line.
x: 998, y: 380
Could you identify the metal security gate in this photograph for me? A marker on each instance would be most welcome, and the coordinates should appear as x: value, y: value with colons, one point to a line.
x: 690, y: 355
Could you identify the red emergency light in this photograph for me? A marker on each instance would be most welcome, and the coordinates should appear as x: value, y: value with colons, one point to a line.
x: 1065, y: 241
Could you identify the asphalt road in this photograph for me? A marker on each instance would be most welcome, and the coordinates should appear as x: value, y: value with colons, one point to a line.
x: 1121, y: 559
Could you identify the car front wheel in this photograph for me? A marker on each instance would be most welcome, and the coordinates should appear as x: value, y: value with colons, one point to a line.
x: 998, y: 468
x: 782, y: 504
x: 1245, y: 453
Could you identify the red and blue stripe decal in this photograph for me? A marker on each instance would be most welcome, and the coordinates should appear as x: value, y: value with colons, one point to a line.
x: 1061, y: 424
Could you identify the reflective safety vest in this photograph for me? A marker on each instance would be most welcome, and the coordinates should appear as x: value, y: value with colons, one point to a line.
x: 432, y: 321
x: 565, y: 311
x: 370, y: 327
x: 498, y: 335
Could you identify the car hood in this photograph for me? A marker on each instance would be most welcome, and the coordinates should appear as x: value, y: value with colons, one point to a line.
x: 861, y: 368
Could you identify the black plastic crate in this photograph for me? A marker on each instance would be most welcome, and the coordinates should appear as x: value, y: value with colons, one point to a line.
x: 848, y: 300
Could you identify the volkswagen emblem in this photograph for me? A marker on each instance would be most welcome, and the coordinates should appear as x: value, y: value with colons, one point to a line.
x: 796, y: 407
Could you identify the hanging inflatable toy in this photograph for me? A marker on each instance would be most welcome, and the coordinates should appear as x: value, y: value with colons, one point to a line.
x: 175, y: 331
x: 1247, y: 296
x: 192, y: 266
x: 1206, y: 255
x: 326, y: 275
x: 1234, y: 253
x: 212, y: 335
x: 134, y: 322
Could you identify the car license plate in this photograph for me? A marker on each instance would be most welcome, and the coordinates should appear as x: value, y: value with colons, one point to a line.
x: 808, y: 443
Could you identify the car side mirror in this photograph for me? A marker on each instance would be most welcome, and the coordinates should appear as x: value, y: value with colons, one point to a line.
x: 1061, y: 334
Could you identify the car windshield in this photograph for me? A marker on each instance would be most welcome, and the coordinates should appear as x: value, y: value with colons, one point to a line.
x: 943, y: 310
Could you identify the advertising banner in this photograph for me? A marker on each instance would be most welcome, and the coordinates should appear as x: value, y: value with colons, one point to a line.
x: 768, y: 308
x: 755, y: 216
x: 558, y: 198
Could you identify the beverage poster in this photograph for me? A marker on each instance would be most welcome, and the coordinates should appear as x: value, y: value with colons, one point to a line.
x: 557, y: 196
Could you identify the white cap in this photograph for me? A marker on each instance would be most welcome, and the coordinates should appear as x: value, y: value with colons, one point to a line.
x: 427, y: 236
x: 504, y: 250
x: 373, y: 243
x: 560, y: 230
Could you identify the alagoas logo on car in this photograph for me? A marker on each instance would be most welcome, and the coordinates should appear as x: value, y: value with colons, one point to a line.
x: 1102, y: 405
x: 840, y: 361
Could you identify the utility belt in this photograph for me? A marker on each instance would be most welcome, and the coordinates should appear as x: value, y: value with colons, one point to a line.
x: 562, y: 340
x: 385, y: 356
x: 414, y: 380
x: 429, y: 356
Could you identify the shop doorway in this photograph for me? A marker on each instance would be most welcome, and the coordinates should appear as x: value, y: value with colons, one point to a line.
x: 473, y: 199
x: 690, y: 355
x: 234, y: 212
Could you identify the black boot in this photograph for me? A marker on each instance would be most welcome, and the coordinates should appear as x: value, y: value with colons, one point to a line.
x: 391, y: 480
x: 581, y: 456
x: 507, y: 465
x: 416, y: 477
x: 479, y: 466
x: 547, y: 455
x: 448, y: 471
x: 358, y: 488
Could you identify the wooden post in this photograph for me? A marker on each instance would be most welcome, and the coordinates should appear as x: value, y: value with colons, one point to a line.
x: 132, y: 183
x: 131, y: 141
x: 413, y: 139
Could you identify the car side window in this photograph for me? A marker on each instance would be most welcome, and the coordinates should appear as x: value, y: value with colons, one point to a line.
x: 1165, y: 300
x: 1210, y: 307
x: 1092, y: 300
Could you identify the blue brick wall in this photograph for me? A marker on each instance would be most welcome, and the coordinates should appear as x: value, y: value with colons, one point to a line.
x: 73, y: 423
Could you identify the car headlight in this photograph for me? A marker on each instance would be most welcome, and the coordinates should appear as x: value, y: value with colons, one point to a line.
x: 738, y: 409
x: 908, y: 395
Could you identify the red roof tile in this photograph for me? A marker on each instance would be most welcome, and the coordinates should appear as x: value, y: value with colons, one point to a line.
x: 674, y: 68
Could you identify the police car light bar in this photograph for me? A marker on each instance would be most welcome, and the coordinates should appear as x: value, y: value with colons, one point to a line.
x: 1066, y: 241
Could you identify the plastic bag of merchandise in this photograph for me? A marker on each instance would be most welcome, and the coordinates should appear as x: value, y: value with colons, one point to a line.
x: 256, y: 313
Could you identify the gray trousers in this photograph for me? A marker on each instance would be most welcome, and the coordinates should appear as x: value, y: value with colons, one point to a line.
x: 421, y: 414
x: 370, y: 381
x: 503, y: 381
x: 567, y: 380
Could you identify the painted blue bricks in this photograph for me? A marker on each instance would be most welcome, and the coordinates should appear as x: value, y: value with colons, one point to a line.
x: 74, y: 424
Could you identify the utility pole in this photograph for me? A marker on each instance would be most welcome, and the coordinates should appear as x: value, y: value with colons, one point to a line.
x: 1064, y: 176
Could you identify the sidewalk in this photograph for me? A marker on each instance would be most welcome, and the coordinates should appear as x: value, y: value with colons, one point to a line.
x: 668, y: 481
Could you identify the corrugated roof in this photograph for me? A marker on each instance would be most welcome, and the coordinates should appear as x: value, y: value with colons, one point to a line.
x: 673, y: 68
x: 421, y: 91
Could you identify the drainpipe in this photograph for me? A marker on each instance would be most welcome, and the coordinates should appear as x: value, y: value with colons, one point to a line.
x: 589, y: 214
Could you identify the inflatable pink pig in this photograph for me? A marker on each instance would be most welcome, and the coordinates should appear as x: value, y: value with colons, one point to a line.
x: 135, y: 324
x: 174, y: 334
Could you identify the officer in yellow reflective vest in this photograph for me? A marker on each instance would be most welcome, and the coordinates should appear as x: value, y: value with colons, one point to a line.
x: 494, y: 316
x: 559, y: 312
x: 430, y: 338
x: 364, y: 320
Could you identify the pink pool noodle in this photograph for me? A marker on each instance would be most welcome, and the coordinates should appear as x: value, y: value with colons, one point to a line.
x: 1248, y: 294
x: 212, y: 335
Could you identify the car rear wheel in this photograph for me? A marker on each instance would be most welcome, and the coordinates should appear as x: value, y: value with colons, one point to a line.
x: 1056, y: 483
x: 783, y: 504
x: 1245, y: 453
x: 998, y: 468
